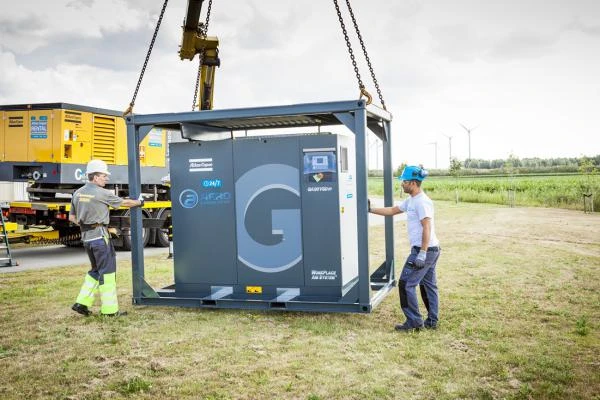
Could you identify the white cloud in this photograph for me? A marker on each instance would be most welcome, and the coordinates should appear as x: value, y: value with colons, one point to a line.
x: 524, y: 71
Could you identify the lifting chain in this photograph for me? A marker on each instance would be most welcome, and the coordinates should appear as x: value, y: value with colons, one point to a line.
x: 363, y: 91
x: 364, y: 49
x: 137, y: 88
x: 202, y: 31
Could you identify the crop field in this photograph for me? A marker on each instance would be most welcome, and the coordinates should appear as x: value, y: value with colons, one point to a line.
x: 559, y: 191
x: 520, y: 319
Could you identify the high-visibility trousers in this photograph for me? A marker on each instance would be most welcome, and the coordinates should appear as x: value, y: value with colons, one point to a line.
x: 101, y: 277
x: 88, y: 291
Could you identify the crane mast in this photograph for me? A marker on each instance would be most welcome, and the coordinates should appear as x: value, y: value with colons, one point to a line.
x: 195, y: 41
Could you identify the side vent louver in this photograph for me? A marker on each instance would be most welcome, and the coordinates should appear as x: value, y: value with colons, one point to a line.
x: 104, y: 141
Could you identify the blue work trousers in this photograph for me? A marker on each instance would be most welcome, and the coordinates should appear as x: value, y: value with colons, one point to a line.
x: 102, y: 257
x: 409, y: 279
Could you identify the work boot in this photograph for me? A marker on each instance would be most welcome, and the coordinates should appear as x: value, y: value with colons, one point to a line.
x: 430, y: 325
x: 81, y: 309
x: 408, y: 327
x: 117, y: 314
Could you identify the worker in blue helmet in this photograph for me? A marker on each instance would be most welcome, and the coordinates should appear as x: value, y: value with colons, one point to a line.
x: 419, y: 268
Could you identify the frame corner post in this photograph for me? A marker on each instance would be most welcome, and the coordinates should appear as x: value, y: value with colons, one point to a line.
x: 137, y: 248
x: 364, y: 280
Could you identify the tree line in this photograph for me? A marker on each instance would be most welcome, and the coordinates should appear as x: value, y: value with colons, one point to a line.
x: 514, y: 165
x: 535, y: 162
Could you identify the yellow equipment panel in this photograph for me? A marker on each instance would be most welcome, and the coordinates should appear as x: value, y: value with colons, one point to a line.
x: 39, y: 138
x: 153, y: 148
x: 16, y: 132
x: 74, y: 136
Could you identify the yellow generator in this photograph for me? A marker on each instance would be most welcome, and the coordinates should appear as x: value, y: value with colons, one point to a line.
x: 49, y: 145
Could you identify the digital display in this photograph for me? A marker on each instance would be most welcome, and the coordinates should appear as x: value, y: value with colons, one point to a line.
x: 320, y: 163
x: 320, y: 166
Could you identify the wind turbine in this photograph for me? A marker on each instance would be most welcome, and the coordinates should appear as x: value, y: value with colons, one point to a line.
x: 468, y: 133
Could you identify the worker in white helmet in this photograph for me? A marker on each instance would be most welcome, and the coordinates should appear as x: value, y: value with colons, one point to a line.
x: 419, y: 268
x: 90, y: 210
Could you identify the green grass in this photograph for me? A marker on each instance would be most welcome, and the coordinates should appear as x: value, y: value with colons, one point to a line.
x: 520, y: 312
x: 133, y: 385
x: 557, y: 191
x: 582, y: 328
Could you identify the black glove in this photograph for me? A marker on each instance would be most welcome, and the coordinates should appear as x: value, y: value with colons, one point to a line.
x: 369, y: 205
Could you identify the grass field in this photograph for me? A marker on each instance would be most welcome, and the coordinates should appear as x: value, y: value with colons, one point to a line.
x: 520, y: 312
x: 560, y: 191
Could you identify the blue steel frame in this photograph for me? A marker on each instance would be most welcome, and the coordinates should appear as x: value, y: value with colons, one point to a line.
x: 356, y: 115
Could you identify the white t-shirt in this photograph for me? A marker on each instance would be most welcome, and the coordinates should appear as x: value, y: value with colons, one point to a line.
x: 417, y: 208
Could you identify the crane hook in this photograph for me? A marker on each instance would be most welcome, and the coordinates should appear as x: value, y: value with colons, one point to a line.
x: 129, y: 110
x: 363, y: 92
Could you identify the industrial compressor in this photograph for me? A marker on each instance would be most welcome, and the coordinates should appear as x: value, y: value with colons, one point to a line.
x: 270, y: 217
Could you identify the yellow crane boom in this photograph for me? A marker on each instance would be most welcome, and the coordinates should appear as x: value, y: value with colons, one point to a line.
x: 195, y: 41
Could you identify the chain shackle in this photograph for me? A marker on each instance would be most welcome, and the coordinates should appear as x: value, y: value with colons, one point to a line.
x: 363, y: 92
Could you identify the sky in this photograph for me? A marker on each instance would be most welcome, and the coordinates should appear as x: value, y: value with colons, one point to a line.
x: 521, y: 74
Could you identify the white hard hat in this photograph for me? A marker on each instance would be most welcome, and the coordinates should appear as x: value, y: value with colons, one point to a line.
x: 97, y: 166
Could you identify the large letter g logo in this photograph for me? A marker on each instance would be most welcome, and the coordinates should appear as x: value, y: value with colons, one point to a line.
x: 272, y: 186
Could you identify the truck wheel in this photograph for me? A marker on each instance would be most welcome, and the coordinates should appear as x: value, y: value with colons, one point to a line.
x: 126, y: 233
x: 162, y: 234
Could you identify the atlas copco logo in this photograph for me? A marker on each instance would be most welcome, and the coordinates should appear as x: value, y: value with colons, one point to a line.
x: 200, y: 164
x: 268, y: 218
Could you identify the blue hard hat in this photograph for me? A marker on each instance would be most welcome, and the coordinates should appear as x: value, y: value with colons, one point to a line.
x: 412, y: 172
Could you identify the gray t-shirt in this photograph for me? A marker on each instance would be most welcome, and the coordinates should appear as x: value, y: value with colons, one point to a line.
x: 90, y: 205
